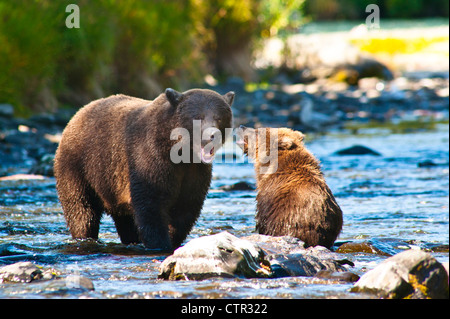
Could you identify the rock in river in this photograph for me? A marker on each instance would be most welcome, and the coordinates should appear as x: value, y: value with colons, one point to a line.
x: 293, y: 265
x: 220, y: 255
x: 24, y: 271
x: 409, y: 274
x: 224, y: 255
x: 289, y: 258
x: 34, y: 279
x: 357, y: 150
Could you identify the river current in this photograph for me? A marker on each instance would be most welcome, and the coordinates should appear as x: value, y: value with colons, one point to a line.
x: 396, y: 201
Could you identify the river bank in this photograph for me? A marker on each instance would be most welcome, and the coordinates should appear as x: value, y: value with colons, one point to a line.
x: 401, y: 105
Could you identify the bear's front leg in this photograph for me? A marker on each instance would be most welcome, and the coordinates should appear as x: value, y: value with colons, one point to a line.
x: 184, y: 214
x: 150, y: 215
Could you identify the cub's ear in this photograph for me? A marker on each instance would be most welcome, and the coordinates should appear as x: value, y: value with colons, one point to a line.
x: 229, y: 97
x: 285, y: 143
x: 173, y: 96
x: 291, y: 141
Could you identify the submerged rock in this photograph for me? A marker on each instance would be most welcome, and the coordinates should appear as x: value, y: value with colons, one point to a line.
x: 239, y: 186
x: 345, y: 276
x: 362, y: 247
x: 293, y: 265
x: 33, y: 280
x: 357, y: 150
x: 74, y: 282
x: 220, y: 255
x: 409, y: 274
x: 366, y: 247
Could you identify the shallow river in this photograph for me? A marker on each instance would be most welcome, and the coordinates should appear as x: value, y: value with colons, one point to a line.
x: 392, y: 201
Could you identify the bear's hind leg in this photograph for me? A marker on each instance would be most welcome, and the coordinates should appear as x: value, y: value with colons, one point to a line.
x: 82, y: 209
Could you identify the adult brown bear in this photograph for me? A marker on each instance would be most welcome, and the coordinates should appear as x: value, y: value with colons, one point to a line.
x: 115, y: 157
x: 293, y: 198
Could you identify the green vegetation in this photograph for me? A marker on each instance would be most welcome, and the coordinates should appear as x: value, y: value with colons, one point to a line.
x: 133, y: 47
x: 140, y: 47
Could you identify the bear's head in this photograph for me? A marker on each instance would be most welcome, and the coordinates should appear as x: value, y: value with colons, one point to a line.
x: 266, y: 145
x: 204, y: 115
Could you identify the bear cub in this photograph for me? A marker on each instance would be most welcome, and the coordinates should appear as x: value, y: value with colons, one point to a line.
x: 293, y: 198
x: 115, y: 157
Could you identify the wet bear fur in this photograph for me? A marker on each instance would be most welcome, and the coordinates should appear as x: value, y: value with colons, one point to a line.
x: 293, y: 198
x: 114, y: 158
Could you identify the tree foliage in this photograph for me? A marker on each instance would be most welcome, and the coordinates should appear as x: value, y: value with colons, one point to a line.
x: 133, y: 47
x: 140, y: 47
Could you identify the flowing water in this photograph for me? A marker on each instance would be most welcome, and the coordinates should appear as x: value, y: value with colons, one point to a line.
x: 394, y: 202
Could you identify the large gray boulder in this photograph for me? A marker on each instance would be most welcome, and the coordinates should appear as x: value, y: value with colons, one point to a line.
x: 220, y: 255
x: 409, y: 274
x: 224, y: 255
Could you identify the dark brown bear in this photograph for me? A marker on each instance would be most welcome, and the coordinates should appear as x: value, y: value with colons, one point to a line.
x: 115, y: 157
x: 293, y: 198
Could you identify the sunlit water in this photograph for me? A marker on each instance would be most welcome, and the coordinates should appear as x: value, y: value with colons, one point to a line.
x: 388, y: 200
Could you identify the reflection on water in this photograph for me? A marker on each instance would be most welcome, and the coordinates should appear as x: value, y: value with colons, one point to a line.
x: 390, y: 202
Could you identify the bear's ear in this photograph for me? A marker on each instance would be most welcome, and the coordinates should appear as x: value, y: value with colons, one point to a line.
x: 173, y: 96
x: 285, y: 143
x: 288, y: 142
x: 229, y: 97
